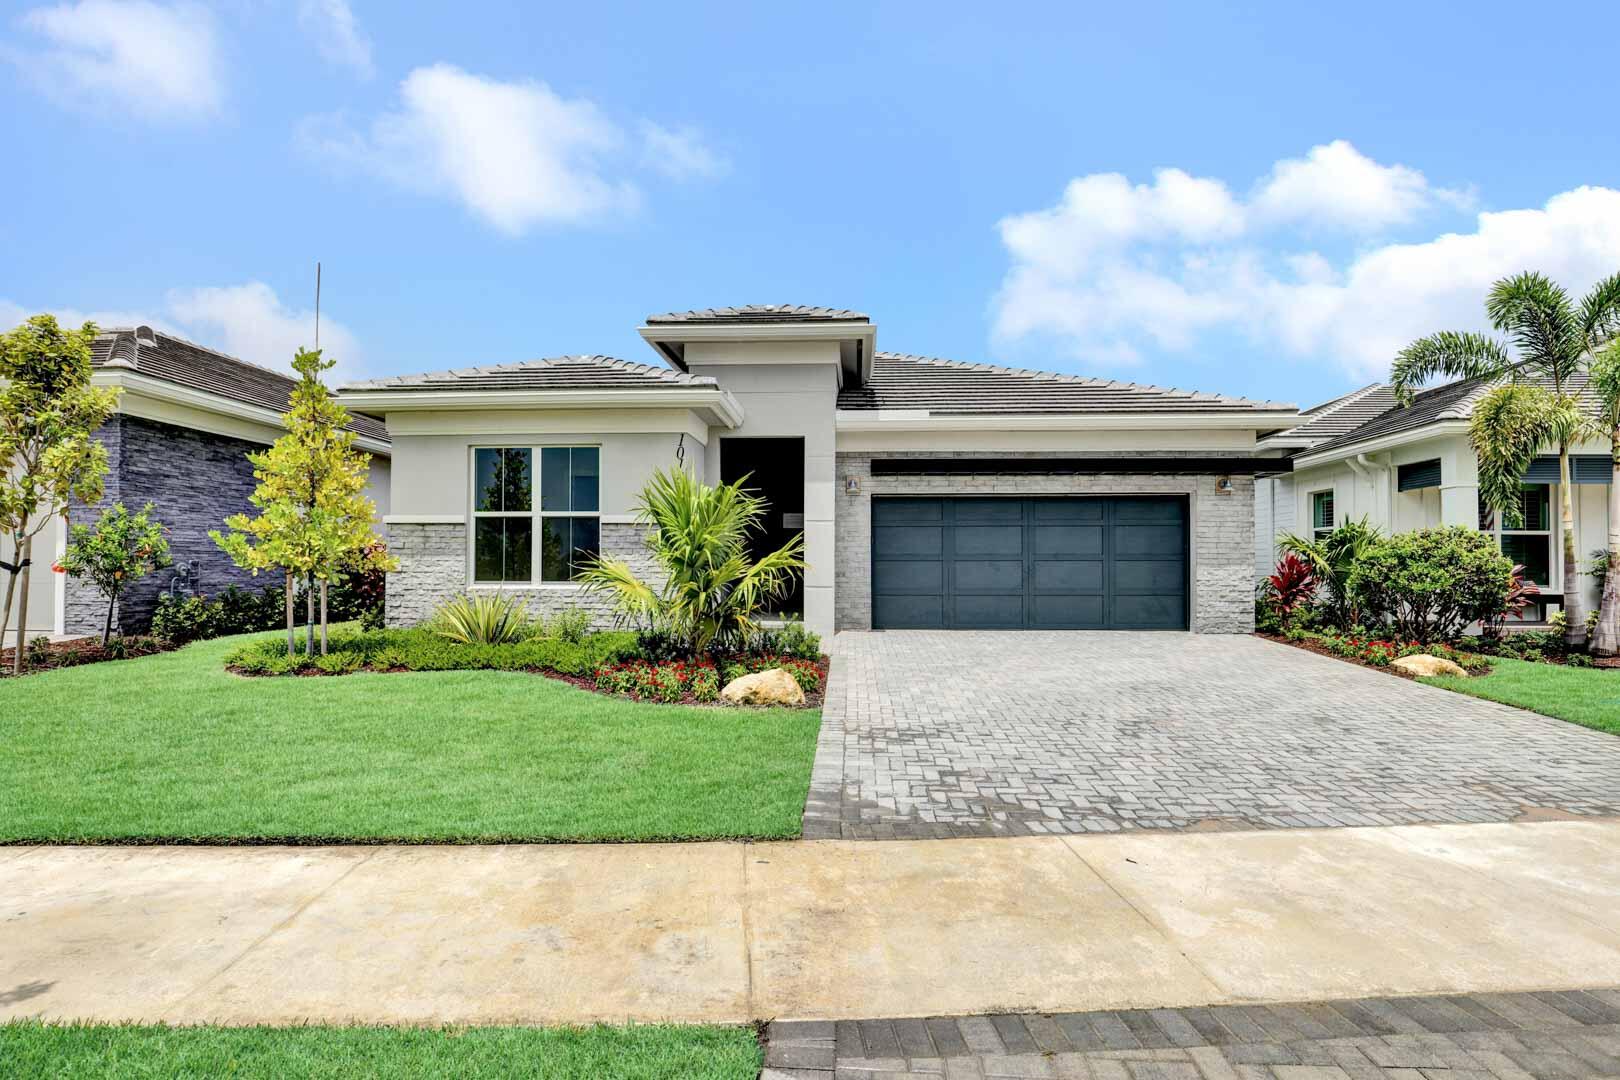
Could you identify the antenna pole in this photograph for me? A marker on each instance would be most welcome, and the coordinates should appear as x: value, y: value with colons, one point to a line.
x: 317, y: 304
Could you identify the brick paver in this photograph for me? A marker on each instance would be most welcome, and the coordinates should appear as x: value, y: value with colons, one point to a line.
x: 1566, y: 1036
x: 940, y: 734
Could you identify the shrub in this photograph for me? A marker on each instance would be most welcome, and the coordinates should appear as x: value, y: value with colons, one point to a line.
x: 39, y: 651
x: 243, y: 611
x: 482, y: 619
x: 120, y: 548
x: 1333, y: 560
x: 182, y: 620
x: 1433, y: 582
x: 571, y: 624
x: 1578, y: 660
x: 340, y: 663
x: 792, y: 639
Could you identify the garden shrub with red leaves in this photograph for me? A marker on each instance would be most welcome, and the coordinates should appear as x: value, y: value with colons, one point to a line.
x: 1291, y: 585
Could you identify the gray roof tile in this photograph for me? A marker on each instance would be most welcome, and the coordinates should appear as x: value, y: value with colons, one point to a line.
x: 759, y: 313
x: 952, y: 387
x: 552, y: 373
x: 1333, y: 418
x: 175, y: 360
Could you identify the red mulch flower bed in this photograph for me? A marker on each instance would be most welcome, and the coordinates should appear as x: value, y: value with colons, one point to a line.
x: 41, y: 655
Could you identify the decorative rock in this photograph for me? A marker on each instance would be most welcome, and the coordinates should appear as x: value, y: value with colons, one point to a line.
x: 772, y: 687
x: 1423, y: 664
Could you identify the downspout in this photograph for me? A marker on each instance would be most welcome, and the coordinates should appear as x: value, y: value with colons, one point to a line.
x: 1364, y: 467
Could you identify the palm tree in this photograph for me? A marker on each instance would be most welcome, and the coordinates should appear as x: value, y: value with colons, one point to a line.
x: 1553, y: 339
x: 711, y: 590
x: 1332, y: 558
x: 1605, y: 383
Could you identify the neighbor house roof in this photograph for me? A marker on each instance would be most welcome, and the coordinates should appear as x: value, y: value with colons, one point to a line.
x: 185, y: 364
x: 552, y: 373
x: 1334, y: 418
x: 760, y: 313
x: 1452, y: 401
x: 952, y: 387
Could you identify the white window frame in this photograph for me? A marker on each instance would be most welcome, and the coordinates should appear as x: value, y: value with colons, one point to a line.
x: 1554, y: 587
x: 1310, y: 511
x: 534, y: 513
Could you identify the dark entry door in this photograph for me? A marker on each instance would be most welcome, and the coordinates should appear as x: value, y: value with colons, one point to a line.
x: 1030, y: 563
x: 775, y: 471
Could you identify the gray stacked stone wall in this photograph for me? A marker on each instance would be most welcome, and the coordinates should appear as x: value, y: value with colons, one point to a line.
x: 433, y: 568
x: 194, y: 480
x: 1222, y: 529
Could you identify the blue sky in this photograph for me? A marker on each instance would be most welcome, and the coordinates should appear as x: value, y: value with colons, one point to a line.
x: 1265, y: 200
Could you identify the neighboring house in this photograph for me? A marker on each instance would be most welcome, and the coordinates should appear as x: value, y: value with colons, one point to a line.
x: 1407, y: 467
x: 930, y: 493
x: 186, y: 419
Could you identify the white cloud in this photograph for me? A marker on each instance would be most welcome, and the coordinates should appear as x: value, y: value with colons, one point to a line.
x: 337, y: 35
x: 154, y: 60
x: 1112, y: 272
x: 1338, y: 186
x: 680, y: 155
x: 516, y: 154
x: 245, y: 321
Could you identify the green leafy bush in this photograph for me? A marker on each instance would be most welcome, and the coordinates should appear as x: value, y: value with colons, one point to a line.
x: 180, y: 620
x: 118, y: 549
x: 481, y: 619
x: 423, y: 650
x: 571, y: 624
x: 1433, y: 582
x: 792, y: 639
x: 340, y: 663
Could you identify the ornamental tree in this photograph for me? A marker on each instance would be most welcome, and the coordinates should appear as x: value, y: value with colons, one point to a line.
x: 48, y: 459
x: 121, y: 548
x: 314, y: 522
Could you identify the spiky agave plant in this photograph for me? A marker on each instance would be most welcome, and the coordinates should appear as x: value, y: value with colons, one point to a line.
x: 484, y: 619
x: 712, y: 591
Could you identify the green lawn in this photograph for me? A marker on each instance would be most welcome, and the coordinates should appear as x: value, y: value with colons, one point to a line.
x: 1586, y: 696
x: 597, y: 1053
x: 174, y: 747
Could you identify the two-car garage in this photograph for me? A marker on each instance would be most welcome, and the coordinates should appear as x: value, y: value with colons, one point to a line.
x: 1057, y: 562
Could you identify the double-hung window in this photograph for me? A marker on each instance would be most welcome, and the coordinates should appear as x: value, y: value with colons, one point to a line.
x: 1530, y: 544
x: 1321, y: 514
x: 522, y: 535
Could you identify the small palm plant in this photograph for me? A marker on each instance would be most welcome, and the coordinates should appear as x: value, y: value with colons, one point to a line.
x: 1332, y: 558
x: 1534, y: 403
x: 1606, y: 386
x: 485, y: 619
x: 712, y: 591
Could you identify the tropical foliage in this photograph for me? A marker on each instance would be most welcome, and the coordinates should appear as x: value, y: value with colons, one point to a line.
x: 314, y: 521
x: 483, y: 619
x: 1433, y: 583
x: 1332, y: 559
x: 121, y: 548
x: 48, y: 458
x: 1532, y: 403
x: 712, y: 591
x: 1605, y: 386
x: 1291, y: 585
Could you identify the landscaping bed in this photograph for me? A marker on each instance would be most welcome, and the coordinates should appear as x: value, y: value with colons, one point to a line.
x: 176, y: 748
x: 1375, y: 652
x: 43, y: 654
x: 631, y: 1052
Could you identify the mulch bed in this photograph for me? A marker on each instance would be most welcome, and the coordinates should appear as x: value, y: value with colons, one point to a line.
x: 1608, y: 663
x: 65, y: 654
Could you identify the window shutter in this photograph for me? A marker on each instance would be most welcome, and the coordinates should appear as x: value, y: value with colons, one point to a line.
x: 1419, y: 474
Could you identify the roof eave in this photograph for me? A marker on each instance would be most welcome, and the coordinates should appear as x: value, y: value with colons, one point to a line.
x: 722, y: 408
x: 1326, y: 455
x: 924, y: 420
x: 668, y: 339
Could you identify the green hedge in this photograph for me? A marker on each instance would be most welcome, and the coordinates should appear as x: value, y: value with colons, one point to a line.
x: 422, y: 650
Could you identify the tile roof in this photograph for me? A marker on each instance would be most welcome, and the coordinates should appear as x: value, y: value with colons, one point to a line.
x: 552, y: 373
x: 175, y: 360
x: 1452, y: 401
x: 760, y: 313
x: 952, y: 387
x: 1333, y: 418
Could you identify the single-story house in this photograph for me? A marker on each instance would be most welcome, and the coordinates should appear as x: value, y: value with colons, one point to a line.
x: 931, y: 493
x: 187, y: 418
x: 1365, y: 455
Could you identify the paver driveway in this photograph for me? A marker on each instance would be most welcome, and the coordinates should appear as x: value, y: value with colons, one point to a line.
x: 951, y: 733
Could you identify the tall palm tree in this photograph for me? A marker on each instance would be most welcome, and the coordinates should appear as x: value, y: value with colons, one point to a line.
x: 1605, y: 384
x: 1552, y: 339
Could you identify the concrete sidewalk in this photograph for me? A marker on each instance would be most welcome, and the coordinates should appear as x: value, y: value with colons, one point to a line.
x: 827, y: 930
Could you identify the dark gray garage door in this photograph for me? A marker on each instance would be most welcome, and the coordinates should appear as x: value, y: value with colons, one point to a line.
x: 1116, y: 563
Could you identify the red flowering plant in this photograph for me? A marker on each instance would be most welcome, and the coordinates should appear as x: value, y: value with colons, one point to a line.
x: 672, y: 681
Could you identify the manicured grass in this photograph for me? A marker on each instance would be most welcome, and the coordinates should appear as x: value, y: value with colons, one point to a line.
x: 609, y: 1053
x: 1586, y: 696
x: 174, y: 747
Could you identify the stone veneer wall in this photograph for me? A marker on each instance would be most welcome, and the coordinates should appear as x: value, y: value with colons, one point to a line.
x: 1222, y: 529
x: 194, y: 481
x: 433, y: 567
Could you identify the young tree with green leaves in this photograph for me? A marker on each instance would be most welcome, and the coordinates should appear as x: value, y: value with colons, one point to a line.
x: 121, y: 548
x: 1553, y: 339
x: 314, y: 522
x: 48, y: 459
x: 1605, y: 385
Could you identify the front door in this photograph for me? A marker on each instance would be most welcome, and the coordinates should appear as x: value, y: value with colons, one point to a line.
x: 775, y: 472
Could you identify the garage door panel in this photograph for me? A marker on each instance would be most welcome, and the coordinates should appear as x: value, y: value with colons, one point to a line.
x: 1149, y: 576
x: 1057, y: 612
x: 1078, y: 562
x: 1069, y: 577
x: 988, y: 540
x: 912, y: 612
x: 988, y: 575
x: 890, y: 541
x: 1076, y: 539
x: 988, y: 610
x: 1134, y: 541
x: 910, y: 576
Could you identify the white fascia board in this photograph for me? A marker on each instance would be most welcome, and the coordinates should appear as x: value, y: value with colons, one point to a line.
x: 137, y: 384
x: 720, y: 404
x: 817, y: 331
x: 922, y: 420
x: 1386, y: 442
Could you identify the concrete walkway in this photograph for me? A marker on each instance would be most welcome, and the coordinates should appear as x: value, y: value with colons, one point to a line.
x: 813, y: 930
